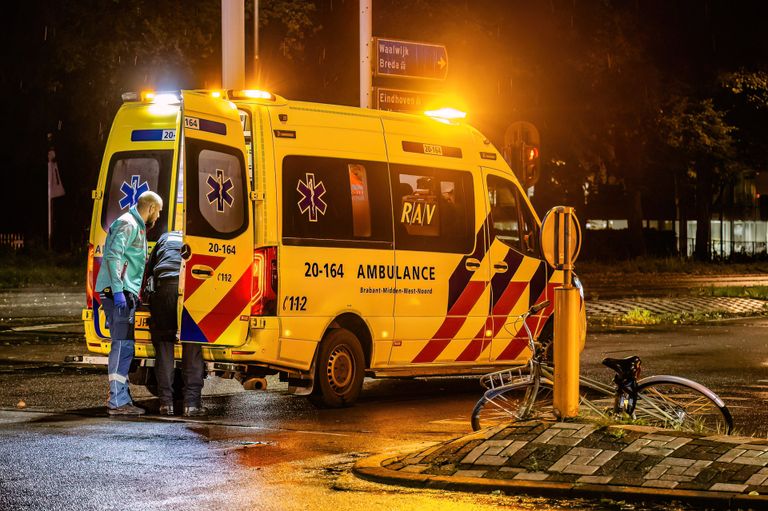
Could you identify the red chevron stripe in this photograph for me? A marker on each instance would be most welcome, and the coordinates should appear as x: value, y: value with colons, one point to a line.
x: 520, y: 341
x: 452, y: 323
x: 191, y: 283
x: 495, y: 322
x: 228, y: 309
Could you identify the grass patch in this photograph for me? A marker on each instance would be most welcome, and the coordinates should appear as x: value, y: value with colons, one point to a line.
x: 31, y: 269
x: 670, y: 265
x: 639, y: 316
x: 756, y: 292
x: 644, y: 317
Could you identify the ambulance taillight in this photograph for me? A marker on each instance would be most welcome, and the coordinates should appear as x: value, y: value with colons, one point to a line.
x: 264, y: 284
x: 89, y: 278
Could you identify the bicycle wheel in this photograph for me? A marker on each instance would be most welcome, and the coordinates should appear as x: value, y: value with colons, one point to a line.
x: 682, y: 404
x: 512, y: 403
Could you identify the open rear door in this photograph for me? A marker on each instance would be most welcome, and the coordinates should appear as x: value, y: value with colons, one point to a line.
x: 218, y: 239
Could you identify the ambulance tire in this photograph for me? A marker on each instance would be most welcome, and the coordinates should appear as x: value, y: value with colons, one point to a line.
x: 546, y: 338
x: 178, y: 384
x: 340, y: 370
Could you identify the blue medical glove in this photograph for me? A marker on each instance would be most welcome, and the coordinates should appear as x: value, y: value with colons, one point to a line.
x: 119, y: 299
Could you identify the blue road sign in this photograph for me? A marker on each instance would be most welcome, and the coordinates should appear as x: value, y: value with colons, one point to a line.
x: 404, y: 100
x: 410, y: 59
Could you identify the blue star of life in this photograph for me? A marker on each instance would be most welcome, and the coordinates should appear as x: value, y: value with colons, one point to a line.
x: 132, y: 191
x: 220, y: 189
x: 311, y: 197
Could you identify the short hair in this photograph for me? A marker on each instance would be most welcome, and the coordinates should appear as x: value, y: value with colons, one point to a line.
x: 148, y: 198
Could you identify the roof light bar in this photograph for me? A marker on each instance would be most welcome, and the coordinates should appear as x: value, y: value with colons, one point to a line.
x: 251, y: 94
x: 446, y: 113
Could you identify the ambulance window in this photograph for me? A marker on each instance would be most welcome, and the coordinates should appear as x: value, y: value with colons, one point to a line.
x: 216, y: 176
x: 130, y: 174
x: 512, y: 222
x: 434, y: 209
x: 336, y: 202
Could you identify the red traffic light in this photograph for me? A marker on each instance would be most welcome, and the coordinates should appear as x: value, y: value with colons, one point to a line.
x: 531, y: 153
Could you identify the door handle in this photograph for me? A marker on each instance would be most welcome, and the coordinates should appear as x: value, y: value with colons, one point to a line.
x: 201, y: 272
x: 500, y: 267
x: 472, y: 264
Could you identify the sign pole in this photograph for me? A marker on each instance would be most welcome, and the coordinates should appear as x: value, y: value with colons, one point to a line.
x: 366, y: 30
x: 561, y: 241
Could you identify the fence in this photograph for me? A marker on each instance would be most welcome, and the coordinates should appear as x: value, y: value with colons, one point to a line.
x: 15, y: 241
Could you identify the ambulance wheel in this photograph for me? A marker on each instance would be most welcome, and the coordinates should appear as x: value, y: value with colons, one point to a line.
x: 546, y: 338
x: 178, y: 383
x: 340, y: 370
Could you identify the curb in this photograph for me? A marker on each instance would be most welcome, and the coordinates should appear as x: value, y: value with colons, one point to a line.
x: 371, y: 469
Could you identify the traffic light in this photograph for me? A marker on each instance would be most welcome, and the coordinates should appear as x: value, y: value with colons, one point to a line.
x: 530, y: 164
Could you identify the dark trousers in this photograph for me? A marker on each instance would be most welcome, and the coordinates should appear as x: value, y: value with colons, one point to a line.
x: 163, y: 326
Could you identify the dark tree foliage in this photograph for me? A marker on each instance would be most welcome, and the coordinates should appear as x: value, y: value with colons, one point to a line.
x: 647, y: 109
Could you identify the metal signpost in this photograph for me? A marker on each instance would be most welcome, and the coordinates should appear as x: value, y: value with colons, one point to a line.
x: 409, y: 59
x: 560, y: 244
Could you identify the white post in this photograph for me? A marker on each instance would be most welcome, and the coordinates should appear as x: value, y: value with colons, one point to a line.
x: 366, y: 23
x: 256, y: 42
x: 50, y: 212
x: 233, y: 44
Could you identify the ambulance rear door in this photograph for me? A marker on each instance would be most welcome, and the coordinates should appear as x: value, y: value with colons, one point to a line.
x: 218, y: 237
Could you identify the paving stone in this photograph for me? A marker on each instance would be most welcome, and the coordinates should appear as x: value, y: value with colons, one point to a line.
x: 417, y: 469
x: 677, y: 462
x: 516, y: 470
x: 494, y: 447
x: 532, y: 476
x: 761, y: 477
x: 676, y: 478
x: 656, y: 451
x: 658, y: 483
x: 513, y: 448
x: 474, y: 454
x: 568, y: 425
x: 562, y: 463
x: 656, y: 472
x: 469, y: 473
x: 728, y: 487
x: 580, y: 469
x: 594, y: 479
x: 486, y: 459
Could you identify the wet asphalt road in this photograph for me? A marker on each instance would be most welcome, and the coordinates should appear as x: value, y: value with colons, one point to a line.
x: 272, y: 450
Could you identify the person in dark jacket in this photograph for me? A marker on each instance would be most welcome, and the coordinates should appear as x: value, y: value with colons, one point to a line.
x: 163, y: 268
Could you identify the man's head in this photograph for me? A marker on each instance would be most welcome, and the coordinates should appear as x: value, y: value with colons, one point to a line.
x: 149, y: 207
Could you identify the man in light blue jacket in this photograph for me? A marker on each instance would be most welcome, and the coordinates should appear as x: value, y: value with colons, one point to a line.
x: 118, y: 285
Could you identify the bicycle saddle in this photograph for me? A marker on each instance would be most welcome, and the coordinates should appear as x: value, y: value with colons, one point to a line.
x: 629, y: 366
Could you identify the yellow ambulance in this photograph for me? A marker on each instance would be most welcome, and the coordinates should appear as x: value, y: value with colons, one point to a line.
x: 326, y: 243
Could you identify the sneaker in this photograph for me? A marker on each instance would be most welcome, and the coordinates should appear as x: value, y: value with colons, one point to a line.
x: 195, y: 411
x: 126, y: 409
x: 166, y: 410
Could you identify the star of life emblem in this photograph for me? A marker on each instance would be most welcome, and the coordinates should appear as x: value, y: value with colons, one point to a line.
x: 219, y: 192
x: 311, y: 201
x: 131, y: 191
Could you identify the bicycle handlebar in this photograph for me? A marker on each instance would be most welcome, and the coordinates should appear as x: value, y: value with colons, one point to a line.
x: 539, y: 306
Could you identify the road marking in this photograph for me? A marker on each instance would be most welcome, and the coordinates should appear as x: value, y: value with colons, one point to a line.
x: 11, y: 416
x: 41, y: 327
